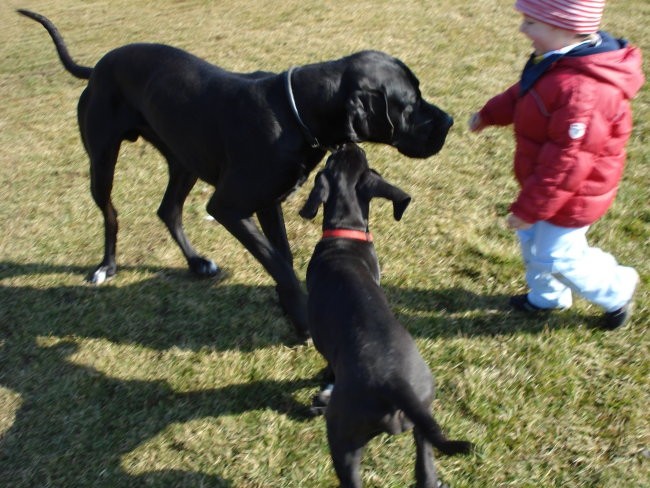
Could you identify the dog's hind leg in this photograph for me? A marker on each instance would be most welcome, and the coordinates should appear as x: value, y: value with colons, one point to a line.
x: 346, y: 453
x: 425, y: 470
x: 170, y: 212
x: 102, y: 137
x: 103, y: 156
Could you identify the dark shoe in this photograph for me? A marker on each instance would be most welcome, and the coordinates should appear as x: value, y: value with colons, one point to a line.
x: 618, y: 318
x: 521, y: 303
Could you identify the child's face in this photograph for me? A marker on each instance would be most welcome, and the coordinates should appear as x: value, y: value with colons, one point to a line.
x: 545, y: 37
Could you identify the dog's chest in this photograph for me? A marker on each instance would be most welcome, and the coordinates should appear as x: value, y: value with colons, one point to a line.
x: 298, y: 174
x: 298, y: 181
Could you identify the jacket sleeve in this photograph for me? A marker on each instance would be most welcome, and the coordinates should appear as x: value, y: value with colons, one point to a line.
x: 500, y: 110
x: 576, y: 133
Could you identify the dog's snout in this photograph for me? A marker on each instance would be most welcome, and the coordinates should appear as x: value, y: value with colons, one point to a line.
x: 449, y: 121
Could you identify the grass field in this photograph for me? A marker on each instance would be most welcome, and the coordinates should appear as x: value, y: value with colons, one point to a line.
x: 159, y: 379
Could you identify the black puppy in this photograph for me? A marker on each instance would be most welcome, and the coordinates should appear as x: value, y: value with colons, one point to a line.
x: 254, y: 137
x: 382, y: 382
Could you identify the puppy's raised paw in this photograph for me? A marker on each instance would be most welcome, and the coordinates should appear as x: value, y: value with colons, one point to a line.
x: 321, y: 400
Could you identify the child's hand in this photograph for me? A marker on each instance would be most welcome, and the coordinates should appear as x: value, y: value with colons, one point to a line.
x: 515, y: 223
x: 475, y: 123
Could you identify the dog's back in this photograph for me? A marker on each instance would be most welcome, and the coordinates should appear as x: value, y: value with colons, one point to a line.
x: 373, y: 357
x: 347, y: 305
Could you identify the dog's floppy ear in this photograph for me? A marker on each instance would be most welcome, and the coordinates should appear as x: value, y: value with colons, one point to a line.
x: 318, y: 195
x: 375, y: 186
x: 368, y: 118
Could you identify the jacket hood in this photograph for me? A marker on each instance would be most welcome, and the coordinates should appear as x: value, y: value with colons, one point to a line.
x: 620, y: 67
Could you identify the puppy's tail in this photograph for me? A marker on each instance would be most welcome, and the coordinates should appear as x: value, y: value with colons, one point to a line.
x: 82, y: 72
x: 405, y: 399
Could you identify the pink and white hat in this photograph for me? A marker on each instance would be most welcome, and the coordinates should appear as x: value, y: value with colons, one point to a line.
x: 579, y: 16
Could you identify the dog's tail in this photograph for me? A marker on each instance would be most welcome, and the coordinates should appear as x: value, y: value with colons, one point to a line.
x: 405, y: 399
x: 82, y: 72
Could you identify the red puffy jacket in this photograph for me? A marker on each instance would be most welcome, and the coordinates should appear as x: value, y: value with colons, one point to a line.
x: 570, y: 128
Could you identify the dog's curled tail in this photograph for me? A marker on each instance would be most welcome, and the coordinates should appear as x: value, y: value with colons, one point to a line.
x: 405, y: 399
x: 82, y: 72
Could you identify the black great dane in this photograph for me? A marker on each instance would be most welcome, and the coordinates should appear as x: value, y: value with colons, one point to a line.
x: 382, y: 382
x: 253, y: 136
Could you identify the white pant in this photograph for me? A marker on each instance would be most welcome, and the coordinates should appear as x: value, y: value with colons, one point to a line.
x: 558, y: 261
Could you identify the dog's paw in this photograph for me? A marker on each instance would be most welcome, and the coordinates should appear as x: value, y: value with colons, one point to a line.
x: 325, y: 394
x: 100, y: 275
x: 321, y: 400
x: 205, y: 268
x: 317, y: 410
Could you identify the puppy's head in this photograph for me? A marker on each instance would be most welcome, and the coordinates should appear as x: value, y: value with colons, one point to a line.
x: 346, y: 186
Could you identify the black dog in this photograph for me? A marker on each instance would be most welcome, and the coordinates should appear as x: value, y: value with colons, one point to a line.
x: 254, y: 137
x: 382, y: 382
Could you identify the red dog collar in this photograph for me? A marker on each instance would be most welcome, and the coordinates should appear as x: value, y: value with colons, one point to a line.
x: 357, y: 235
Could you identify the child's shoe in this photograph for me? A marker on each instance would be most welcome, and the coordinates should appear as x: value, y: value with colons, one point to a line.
x: 618, y: 318
x: 522, y: 304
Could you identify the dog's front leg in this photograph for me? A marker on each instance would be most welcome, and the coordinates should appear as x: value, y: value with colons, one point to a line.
x: 170, y: 212
x: 292, y: 298
x: 272, y: 223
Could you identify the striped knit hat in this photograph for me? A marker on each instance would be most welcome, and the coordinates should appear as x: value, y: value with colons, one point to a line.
x: 579, y: 16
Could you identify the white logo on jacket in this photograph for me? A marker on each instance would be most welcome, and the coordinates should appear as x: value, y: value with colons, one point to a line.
x: 577, y: 130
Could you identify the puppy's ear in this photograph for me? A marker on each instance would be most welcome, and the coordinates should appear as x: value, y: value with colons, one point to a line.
x: 368, y: 118
x: 375, y: 186
x: 318, y: 195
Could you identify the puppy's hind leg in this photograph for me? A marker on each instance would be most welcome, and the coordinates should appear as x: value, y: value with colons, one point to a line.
x: 170, y: 212
x: 346, y: 457
x: 425, y: 470
x: 345, y: 440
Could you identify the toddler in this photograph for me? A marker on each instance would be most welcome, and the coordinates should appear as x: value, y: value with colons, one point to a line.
x: 571, y: 116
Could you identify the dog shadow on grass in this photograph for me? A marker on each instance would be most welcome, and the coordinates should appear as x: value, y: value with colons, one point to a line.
x: 172, y: 308
x: 75, y: 426
x: 166, y: 308
x: 66, y: 426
